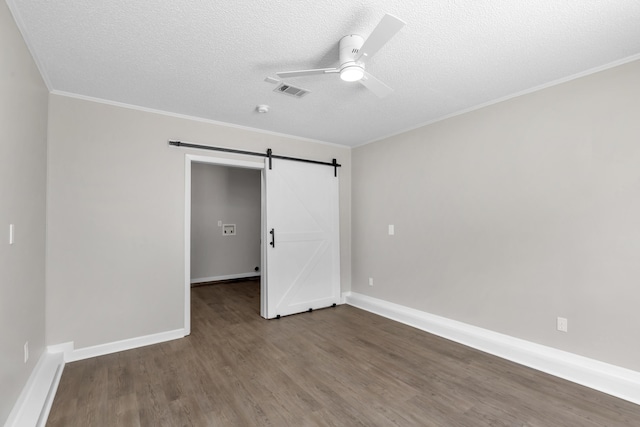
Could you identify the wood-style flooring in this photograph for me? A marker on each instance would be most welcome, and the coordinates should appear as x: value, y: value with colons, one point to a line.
x: 335, y: 367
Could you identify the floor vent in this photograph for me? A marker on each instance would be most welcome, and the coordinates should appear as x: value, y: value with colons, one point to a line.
x: 291, y: 90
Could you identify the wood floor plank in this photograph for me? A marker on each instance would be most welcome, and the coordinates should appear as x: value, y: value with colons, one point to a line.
x: 336, y: 367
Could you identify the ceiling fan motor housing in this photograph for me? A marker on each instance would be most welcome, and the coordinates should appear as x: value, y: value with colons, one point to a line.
x: 349, y: 47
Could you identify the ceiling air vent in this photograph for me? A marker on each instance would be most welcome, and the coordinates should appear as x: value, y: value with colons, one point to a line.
x: 291, y: 90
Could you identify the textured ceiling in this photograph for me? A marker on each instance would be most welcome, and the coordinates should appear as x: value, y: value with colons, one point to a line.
x: 209, y: 59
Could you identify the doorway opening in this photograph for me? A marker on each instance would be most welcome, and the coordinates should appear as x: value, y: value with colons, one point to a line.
x: 224, y: 201
x: 225, y: 223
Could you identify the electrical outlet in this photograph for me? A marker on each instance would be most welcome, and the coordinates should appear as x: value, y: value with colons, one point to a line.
x: 26, y: 352
x: 370, y: 281
x: 563, y: 324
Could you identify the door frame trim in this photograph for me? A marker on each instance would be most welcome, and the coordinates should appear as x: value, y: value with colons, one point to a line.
x: 189, y: 159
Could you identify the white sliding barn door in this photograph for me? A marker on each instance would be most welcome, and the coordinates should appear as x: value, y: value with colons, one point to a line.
x: 303, y: 252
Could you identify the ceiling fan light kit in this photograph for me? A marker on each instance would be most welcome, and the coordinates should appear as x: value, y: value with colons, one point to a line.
x: 352, y: 73
x: 354, y: 52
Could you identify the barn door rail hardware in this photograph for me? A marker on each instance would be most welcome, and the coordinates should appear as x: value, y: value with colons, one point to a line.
x: 269, y: 154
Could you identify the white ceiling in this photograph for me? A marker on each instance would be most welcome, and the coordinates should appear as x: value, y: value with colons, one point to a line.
x: 209, y: 59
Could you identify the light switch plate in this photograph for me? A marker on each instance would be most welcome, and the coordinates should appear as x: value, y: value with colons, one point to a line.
x: 392, y: 230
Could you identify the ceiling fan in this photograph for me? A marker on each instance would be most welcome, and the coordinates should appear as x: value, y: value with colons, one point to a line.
x: 354, y: 53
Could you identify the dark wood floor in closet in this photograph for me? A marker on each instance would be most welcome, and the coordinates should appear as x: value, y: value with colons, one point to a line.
x: 336, y: 367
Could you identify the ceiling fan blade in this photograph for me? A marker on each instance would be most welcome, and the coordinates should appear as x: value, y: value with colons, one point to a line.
x: 302, y: 73
x: 375, y: 85
x: 386, y: 29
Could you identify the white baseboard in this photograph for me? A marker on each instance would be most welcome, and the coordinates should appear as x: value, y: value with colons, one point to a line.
x: 614, y: 380
x: 34, y: 403
x: 343, y: 297
x: 72, y: 355
x: 227, y: 277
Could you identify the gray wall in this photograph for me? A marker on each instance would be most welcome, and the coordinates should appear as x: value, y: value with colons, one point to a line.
x: 230, y: 195
x: 23, y: 120
x: 512, y: 215
x: 115, y: 236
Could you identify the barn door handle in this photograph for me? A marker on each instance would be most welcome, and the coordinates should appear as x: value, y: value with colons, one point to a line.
x: 273, y: 237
